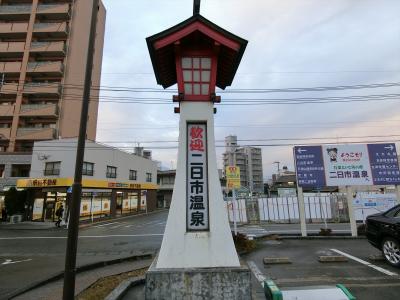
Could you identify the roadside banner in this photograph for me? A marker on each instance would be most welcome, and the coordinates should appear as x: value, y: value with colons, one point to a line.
x: 347, y: 165
x: 232, y: 177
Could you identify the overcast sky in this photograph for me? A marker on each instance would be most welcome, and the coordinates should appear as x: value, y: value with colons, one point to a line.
x: 292, y: 44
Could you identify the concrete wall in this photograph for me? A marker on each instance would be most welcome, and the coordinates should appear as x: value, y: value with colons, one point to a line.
x: 100, y: 155
x: 75, y: 70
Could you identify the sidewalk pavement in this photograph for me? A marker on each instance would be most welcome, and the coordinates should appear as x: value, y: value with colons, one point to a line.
x: 53, y: 290
x: 264, y: 229
x: 28, y: 226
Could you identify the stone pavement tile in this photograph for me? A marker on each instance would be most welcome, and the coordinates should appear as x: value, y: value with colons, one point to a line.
x: 53, y: 291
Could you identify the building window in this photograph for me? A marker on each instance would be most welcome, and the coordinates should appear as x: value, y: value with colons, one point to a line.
x: 2, y: 171
x: 88, y: 169
x: 148, y: 177
x: 132, y: 174
x: 20, y: 170
x: 111, y: 172
x: 196, y: 75
x: 52, y: 168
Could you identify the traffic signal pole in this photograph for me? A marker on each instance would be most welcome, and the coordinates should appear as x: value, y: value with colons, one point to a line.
x: 73, y: 228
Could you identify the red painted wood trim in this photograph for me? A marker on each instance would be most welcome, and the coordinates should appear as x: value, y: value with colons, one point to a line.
x: 202, y: 28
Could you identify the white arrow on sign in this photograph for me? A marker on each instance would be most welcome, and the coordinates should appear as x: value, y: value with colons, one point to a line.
x: 301, y: 150
x: 390, y: 147
x: 10, y: 261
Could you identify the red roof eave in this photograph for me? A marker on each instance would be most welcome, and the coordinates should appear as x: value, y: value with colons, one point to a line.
x: 176, y: 36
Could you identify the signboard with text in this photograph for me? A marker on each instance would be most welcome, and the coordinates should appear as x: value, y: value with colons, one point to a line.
x: 197, y: 177
x: 342, y: 165
x: 232, y: 177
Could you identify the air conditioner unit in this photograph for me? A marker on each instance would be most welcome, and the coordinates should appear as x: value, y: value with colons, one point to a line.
x: 15, y: 219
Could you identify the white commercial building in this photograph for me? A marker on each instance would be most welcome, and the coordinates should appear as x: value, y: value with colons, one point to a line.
x: 114, y: 182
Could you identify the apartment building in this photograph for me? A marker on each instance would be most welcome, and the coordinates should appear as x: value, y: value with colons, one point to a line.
x: 43, y: 50
x: 248, y: 159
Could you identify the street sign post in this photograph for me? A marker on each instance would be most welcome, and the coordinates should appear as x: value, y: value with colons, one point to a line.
x: 232, y: 174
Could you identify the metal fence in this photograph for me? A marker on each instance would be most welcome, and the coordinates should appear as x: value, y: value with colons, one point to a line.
x: 318, y: 208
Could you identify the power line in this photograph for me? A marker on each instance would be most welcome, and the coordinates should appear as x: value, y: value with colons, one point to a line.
x: 231, y: 90
x: 263, y: 139
x: 73, y: 148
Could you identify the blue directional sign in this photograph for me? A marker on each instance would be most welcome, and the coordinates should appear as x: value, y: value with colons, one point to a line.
x: 384, y: 164
x: 340, y: 165
x: 309, y: 166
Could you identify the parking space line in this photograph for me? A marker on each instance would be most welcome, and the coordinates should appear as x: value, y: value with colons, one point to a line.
x: 382, y: 270
x: 256, y: 271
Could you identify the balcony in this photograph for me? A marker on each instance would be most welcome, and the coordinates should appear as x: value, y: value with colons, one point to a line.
x: 51, y: 29
x: 13, y: 30
x: 5, y: 133
x: 47, y: 48
x: 9, y: 89
x: 10, y: 49
x: 15, y: 12
x: 42, y: 89
x: 10, y: 67
x: 7, y: 110
x: 35, y: 110
x: 29, y: 133
x: 54, y: 11
x: 48, y: 67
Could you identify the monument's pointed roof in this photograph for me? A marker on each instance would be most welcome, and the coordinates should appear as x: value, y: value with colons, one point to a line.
x: 195, y: 29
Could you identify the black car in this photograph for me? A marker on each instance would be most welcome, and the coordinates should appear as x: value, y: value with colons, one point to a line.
x: 383, y: 232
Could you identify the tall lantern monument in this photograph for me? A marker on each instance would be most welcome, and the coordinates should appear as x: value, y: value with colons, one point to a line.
x: 197, y: 259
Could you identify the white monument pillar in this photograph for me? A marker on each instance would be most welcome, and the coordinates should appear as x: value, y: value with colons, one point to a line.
x: 182, y: 248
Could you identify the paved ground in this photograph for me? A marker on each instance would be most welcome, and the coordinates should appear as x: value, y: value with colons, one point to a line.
x: 363, y: 281
x: 33, y: 255
x: 54, y: 290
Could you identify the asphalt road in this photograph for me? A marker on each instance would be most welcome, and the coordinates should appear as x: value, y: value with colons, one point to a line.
x: 28, y: 256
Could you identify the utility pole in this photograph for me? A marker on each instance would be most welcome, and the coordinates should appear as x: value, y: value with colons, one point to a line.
x: 73, y: 228
x: 196, y: 7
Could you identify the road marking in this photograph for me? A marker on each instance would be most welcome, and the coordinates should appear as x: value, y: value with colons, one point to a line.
x: 81, y: 236
x: 114, y: 227
x: 10, y: 261
x: 382, y: 270
x: 102, y: 225
x: 256, y: 271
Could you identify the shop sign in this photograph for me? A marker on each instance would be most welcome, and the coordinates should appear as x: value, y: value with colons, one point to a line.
x: 42, y: 182
x: 341, y: 165
x: 197, y: 177
x: 86, y: 183
x: 232, y: 177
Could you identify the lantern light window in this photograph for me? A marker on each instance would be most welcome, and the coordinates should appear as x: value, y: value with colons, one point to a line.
x: 196, y: 75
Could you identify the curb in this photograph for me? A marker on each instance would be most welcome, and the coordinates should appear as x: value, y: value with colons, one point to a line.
x: 87, y: 267
x: 82, y: 225
x: 124, y: 286
x: 309, y: 237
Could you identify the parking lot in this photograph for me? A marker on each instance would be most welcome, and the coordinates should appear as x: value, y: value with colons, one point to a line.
x: 365, y: 278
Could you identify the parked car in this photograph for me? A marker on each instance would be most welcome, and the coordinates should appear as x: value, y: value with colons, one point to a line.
x: 383, y: 232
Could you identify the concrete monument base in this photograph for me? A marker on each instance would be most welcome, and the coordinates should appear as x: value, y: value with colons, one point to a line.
x: 232, y: 283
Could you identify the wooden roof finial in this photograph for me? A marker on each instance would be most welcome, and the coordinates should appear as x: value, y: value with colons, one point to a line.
x: 196, y: 7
